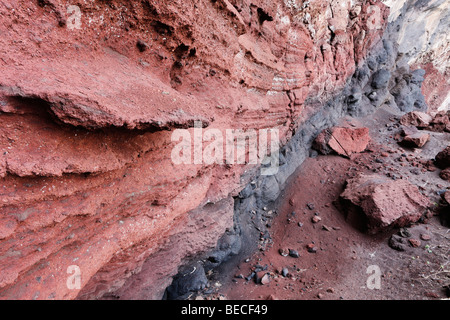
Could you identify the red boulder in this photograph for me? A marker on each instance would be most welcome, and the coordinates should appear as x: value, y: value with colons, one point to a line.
x: 443, y: 158
x: 417, y: 119
x: 384, y: 202
x: 343, y: 141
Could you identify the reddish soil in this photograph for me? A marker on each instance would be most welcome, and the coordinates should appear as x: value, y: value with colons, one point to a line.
x: 338, y: 269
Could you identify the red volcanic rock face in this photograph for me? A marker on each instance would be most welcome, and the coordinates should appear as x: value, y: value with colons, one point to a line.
x: 86, y: 173
x: 446, y: 196
x: 435, y: 84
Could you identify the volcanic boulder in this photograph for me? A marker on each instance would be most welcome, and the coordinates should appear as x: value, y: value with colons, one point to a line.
x: 440, y: 122
x: 384, y: 202
x: 416, y: 118
x: 445, y: 174
x: 446, y: 197
x: 343, y: 141
x: 443, y: 158
x: 414, y: 138
x: 191, y: 278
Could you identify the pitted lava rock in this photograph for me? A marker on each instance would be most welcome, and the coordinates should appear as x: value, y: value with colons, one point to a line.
x: 343, y: 141
x: 385, y: 203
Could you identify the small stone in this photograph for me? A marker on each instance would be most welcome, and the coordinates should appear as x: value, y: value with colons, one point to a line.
x: 258, y: 276
x: 294, y: 253
x: 416, y: 119
x: 250, y: 276
x: 425, y: 237
x: 285, y: 272
x: 265, y: 279
x: 446, y: 196
x: 320, y: 296
x: 283, y: 252
x: 414, y: 138
x: 414, y: 243
x: 300, y: 224
x: 396, y: 242
x: 316, y: 219
x: 311, y: 248
x: 445, y: 174
x: 373, y: 95
x: 291, y: 202
x: 442, y: 159
x: 330, y: 290
x: 431, y: 294
x: 326, y: 228
x: 404, y: 232
x: 310, y: 206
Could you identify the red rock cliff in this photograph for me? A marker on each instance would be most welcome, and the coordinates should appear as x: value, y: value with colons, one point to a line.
x: 88, y: 103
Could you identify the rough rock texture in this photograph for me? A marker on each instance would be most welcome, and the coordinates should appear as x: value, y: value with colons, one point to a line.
x: 422, y: 33
x: 414, y: 138
x: 443, y: 158
x: 446, y: 197
x: 416, y: 118
x: 440, y: 122
x: 190, y: 279
x: 445, y: 174
x: 384, y: 202
x: 87, y: 175
x: 343, y: 141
